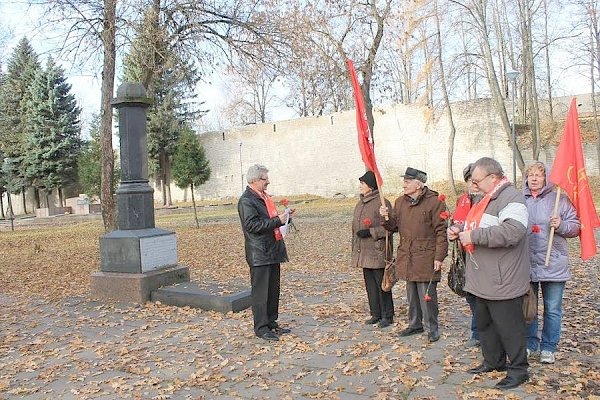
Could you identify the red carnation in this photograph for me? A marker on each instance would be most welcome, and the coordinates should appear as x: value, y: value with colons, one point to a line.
x: 367, y: 221
x: 445, y: 214
x: 427, y: 297
x: 442, y: 197
x: 535, y: 229
x: 284, y: 202
x: 470, y: 248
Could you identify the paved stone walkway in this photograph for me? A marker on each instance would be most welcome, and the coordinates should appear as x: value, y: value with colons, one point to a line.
x: 80, y: 349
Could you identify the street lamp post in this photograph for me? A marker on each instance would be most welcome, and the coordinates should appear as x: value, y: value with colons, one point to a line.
x: 7, y: 166
x: 512, y: 77
x: 241, y: 168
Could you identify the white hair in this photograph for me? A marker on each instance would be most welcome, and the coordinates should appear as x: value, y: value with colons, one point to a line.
x: 255, y: 173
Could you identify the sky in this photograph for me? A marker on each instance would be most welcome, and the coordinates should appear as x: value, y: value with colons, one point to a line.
x: 20, y: 19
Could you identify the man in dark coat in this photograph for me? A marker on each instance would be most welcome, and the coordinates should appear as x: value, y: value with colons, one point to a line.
x: 422, y: 246
x: 265, y: 250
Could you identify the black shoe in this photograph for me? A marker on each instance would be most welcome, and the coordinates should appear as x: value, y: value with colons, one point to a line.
x: 384, y: 323
x: 433, y: 337
x: 274, y: 326
x: 510, y: 382
x: 372, y: 321
x: 281, y: 331
x: 483, y: 368
x: 411, y: 331
x: 269, y: 336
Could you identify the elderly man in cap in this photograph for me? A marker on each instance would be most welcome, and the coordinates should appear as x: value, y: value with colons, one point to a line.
x: 422, y: 247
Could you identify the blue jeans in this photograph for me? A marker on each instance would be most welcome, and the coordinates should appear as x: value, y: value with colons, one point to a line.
x: 471, y: 300
x: 552, y: 295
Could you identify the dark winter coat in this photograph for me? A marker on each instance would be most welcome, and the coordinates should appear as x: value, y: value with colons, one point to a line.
x: 370, y: 252
x: 421, y: 235
x: 258, y: 228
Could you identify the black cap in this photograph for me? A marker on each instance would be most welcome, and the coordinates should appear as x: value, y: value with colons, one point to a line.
x: 412, y: 173
x: 369, y: 179
x: 468, y: 171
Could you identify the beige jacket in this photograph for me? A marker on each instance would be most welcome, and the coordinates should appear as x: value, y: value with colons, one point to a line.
x: 370, y: 252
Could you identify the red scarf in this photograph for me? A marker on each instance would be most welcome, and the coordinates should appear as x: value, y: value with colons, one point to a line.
x: 271, y: 209
x: 476, y: 212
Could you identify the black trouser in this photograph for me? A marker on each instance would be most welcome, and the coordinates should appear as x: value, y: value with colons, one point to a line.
x: 265, y: 296
x: 381, y: 304
x: 502, y: 333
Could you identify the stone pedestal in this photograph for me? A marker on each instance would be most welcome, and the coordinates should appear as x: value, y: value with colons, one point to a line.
x: 137, y: 251
x: 135, y: 288
x: 137, y: 258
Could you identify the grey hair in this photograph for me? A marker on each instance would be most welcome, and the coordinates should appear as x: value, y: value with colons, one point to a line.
x: 489, y: 166
x: 255, y: 173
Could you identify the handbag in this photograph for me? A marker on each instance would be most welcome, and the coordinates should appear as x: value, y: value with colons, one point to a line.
x: 529, y: 305
x: 389, y: 272
x: 389, y: 276
x: 456, y: 274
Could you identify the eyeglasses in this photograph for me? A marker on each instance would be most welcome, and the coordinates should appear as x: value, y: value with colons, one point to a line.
x: 478, y: 181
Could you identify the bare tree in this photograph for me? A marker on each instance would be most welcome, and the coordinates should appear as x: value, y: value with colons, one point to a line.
x: 452, y: 135
x: 478, y: 19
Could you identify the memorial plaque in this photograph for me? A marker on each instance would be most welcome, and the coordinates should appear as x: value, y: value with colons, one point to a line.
x: 157, y: 252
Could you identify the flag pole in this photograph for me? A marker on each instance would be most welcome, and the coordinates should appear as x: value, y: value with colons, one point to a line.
x: 551, y: 238
x: 381, y: 197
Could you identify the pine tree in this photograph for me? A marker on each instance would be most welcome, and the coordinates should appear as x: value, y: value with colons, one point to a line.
x: 53, y: 140
x: 190, y: 165
x: 170, y: 82
x: 89, y: 164
x: 14, y: 97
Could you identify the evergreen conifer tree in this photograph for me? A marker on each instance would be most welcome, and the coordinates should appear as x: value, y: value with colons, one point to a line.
x: 14, y: 96
x: 170, y: 82
x: 89, y: 164
x: 53, y: 140
x: 190, y: 165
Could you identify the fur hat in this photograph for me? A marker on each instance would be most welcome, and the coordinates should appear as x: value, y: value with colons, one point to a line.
x: 369, y: 179
x: 413, y: 173
x: 468, y: 171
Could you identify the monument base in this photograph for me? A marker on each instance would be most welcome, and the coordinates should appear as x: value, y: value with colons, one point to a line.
x: 192, y: 295
x: 135, y: 287
x: 137, y: 250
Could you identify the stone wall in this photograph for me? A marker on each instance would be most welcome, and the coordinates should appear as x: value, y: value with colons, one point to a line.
x: 320, y: 155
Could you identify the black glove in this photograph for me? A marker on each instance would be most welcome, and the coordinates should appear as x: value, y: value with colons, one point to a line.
x: 363, y: 233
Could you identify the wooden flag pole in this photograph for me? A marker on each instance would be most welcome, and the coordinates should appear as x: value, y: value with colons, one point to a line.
x: 381, y: 198
x: 551, y: 238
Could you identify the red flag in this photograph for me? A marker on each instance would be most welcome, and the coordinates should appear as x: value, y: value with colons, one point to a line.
x: 568, y: 172
x: 365, y: 137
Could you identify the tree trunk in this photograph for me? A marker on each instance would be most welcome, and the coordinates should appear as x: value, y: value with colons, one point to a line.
x: 2, y: 206
x: 548, y: 71
x: 36, y: 197
x: 594, y: 43
x: 493, y: 82
x: 168, y: 180
x: 194, y: 205
x: 24, y: 200
x: 61, y: 200
x: 163, y: 177
x: 446, y: 100
x: 529, y: 75
x: 595, y: 58
x: 108, y: 82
